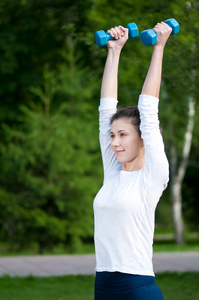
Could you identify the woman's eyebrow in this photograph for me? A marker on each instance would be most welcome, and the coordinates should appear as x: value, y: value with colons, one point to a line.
x: 119, y: 130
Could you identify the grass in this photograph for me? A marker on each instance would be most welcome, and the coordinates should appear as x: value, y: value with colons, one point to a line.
x: 174, y: 286
x: 171, y: 246
x: 5, y: 250
x: 179, y: 286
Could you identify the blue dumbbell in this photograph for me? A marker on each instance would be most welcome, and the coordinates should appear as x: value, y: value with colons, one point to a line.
x: 149, y: 37
x: 102, y: 38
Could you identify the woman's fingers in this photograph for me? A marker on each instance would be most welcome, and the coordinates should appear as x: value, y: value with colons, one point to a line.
x: 117, y: 32
x: 163, y: 32
x: 162, y: 29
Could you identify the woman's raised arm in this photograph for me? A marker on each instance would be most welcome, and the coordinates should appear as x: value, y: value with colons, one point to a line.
x: 109, y: 85
x: 152, y: 82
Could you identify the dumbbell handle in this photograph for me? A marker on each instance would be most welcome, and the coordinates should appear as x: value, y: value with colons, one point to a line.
x: 101, y: 38
x: 149, y: 37
x: 109, y: 37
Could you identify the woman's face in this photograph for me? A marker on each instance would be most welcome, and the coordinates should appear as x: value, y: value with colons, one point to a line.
x: 126, y: 141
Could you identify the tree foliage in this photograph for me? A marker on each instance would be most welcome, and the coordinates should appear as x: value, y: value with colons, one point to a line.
x: 47, y: 163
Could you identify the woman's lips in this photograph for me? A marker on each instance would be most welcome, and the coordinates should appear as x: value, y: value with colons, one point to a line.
x: 119, y: 151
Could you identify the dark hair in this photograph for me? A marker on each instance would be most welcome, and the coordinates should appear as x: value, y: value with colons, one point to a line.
x: 131, y: 113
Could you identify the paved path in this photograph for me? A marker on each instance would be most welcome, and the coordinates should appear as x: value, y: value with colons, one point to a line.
x: 51, y: 265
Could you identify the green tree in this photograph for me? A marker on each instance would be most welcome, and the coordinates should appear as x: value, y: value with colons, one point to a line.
x: 49, y: 163
x: 32, y: 33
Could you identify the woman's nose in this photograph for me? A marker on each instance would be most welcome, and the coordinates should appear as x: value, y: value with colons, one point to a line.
x: 116, y: 142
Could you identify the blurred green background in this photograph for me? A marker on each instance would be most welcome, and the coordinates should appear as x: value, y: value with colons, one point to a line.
x: 50, y: 75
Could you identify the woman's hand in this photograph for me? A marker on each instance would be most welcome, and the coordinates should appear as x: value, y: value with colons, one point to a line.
x: 163, y: 32
x: 120, y: 34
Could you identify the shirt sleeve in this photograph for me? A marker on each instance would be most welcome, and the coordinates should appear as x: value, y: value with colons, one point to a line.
x: 156, y: 168
x: 107, y: 108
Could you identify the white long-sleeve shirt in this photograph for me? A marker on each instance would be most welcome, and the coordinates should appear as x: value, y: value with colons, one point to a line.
x: 124, y: 208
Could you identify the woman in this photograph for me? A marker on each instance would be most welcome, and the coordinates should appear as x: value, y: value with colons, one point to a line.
x: 135, y: 175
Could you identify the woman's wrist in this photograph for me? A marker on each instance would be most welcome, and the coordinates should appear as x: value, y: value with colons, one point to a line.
x: 158, y: 47
x: 114, y: 51
x: 113, y: 56
x: 158, y: 51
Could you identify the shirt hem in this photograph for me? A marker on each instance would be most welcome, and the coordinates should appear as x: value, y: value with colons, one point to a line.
x: 133, y: 272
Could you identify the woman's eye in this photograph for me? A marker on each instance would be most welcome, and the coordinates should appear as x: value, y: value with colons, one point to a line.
x: 112, y: 136
x: 122, y: 134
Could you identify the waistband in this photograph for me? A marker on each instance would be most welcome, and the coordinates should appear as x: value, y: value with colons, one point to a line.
x: 116, y: 282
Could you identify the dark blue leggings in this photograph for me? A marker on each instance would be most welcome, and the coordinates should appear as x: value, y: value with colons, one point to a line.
x: 121, y: 286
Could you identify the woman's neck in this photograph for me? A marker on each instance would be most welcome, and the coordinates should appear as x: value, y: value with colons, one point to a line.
x: 134, y: 165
